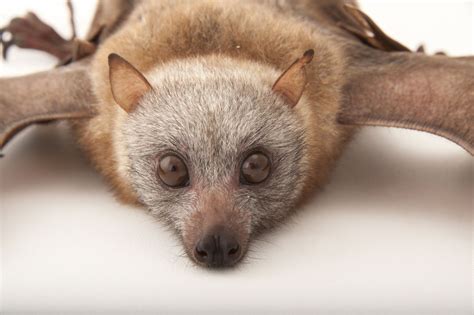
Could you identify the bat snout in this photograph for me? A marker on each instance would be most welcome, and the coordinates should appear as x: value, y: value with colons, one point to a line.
x: 216, y: 234
x: 218, y: 248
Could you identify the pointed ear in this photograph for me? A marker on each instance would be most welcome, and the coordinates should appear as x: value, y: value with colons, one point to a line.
x: 292, y: 82
x: 127, y: 83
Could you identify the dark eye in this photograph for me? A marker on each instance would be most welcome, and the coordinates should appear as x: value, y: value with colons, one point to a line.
x: 255, y: 168
x: 172, y: 171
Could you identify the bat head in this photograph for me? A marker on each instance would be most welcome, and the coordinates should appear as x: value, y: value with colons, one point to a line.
x: 213, y: 147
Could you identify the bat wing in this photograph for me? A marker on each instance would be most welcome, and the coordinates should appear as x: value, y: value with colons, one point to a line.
x: 390, y: 86
x: 61, y: 93
x: 413, y: 91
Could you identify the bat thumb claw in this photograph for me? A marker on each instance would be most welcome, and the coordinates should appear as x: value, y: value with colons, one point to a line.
x: 5, y: 42
x: 4, y: 47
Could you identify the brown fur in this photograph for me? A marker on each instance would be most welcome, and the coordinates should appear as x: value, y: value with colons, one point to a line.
x: 163, y: 31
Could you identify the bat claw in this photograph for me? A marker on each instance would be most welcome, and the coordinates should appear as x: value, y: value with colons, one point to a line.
x: 32, y: 33
x: 369, y: 32
x: 421, y: 49
x: 6, y: 41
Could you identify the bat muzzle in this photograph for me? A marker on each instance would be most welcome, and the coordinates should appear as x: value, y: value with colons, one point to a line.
x: 218, y: 248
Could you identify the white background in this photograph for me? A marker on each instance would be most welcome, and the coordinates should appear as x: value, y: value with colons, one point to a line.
x: 391, y: 234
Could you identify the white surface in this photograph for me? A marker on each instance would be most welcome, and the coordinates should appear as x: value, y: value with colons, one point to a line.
x: 392, y: 233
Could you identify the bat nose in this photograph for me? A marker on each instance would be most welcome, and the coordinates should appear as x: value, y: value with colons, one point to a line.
x: 219, y: 248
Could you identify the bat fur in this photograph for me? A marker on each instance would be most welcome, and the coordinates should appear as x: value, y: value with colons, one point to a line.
x: 218, y: 81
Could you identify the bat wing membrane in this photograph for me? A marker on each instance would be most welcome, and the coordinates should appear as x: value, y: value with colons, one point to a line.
x: 387, y: 85
x: 61, y: 93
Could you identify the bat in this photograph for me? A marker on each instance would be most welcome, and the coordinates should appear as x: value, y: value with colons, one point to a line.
x: 221, y: 122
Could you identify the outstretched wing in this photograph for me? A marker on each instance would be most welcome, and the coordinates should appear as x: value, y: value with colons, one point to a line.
x: 64, y: 92
x: 61, y: 93
x: 413, y: 91
x: 389, y: 86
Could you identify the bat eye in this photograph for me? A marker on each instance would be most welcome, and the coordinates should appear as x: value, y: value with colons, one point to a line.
x: 173, y: 172
x: 255, y: 168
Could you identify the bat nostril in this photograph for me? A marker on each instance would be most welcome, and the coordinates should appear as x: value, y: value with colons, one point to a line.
x: 234, y: 250
x: 201, y: 253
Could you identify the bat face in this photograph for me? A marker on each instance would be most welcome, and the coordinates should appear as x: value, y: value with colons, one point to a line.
x: 212, y: 151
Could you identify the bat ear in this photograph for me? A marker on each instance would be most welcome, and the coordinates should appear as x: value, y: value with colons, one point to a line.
x: 290, y: 85
x: 127, y: 83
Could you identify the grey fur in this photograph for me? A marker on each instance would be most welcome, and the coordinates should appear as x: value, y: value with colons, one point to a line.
x: 213, y: 112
